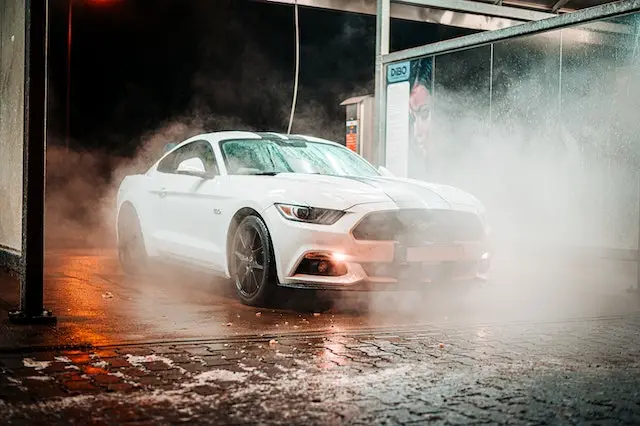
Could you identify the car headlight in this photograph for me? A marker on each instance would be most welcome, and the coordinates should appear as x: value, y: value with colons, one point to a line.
x: 310, y: 214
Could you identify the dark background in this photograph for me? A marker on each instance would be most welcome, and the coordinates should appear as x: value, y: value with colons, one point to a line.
x: 148, y: 72
x: 225, y: 64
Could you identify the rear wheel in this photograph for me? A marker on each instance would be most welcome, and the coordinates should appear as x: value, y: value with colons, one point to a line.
x: 252, y: 262
x: 131, y: 249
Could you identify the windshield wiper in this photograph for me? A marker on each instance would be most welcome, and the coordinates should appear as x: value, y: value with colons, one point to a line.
x: 264, y: 173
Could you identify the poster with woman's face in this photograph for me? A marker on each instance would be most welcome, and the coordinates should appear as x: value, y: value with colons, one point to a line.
x: 420, y: 107
x: 409, y: 104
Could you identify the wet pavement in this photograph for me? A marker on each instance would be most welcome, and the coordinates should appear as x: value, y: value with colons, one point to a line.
x: 177, y: 347
x: 533, y: 373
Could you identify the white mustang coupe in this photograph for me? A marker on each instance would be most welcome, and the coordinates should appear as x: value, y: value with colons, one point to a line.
x: 268, y: 210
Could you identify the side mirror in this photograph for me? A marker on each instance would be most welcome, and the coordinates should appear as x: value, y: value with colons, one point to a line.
x: 193, y: 167
x: 385, y: 172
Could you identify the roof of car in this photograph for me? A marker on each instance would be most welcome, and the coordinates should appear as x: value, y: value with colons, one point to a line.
x: 221, y: 136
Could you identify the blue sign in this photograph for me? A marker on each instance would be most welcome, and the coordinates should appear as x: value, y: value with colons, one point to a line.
x: 398, y: 72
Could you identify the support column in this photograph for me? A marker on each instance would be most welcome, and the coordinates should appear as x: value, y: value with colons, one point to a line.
x: 34, y: 161
x: 383, y: 26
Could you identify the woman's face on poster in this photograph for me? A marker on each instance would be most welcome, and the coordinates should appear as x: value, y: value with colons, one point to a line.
x: 420, y: 111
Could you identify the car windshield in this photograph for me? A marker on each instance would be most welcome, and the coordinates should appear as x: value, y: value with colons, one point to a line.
x: 267, y: 156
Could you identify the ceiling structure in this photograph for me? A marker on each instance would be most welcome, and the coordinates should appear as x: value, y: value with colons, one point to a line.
x: 483, y: 15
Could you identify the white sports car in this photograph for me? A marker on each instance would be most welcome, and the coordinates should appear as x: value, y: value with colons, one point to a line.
x: 268, y: 210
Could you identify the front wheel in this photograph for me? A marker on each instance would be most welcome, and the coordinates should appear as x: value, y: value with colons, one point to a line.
x: 252, y: 262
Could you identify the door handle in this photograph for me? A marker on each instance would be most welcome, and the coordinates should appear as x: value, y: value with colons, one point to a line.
x: 163, y: 192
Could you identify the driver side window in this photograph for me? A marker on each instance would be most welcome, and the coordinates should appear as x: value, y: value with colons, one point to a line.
x: 191, y: 153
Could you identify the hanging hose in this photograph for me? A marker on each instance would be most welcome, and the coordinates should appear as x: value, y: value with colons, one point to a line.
x: 295, y: 83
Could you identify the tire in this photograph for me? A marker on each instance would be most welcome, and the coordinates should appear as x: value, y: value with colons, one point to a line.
x: 252, y: 263
x: 132, y: 252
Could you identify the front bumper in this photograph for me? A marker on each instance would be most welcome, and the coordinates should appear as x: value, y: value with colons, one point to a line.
x: 370, y: 265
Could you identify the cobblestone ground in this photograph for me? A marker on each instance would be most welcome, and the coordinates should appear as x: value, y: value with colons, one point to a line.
x: 581, y: 371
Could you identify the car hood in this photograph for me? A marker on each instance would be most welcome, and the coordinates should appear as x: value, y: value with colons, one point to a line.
x: 341, y: 192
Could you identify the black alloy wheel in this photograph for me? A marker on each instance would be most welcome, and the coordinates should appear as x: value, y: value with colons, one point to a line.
x: 252, y: 262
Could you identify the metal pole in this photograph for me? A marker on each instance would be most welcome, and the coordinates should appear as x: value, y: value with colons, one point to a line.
x: 68, y: 87
x: 634, y: 66
x: 560, y: 77
x: 383, y: 24
x: 491, y: 87
x: 34, y: 160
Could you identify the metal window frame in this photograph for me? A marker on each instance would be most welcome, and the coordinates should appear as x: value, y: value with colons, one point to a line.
x: 585, y: 16
x: 384, y: 57
x: 480, y: 19
x: 30, y: 261
x: 480, y: 8
x: 591, y: 16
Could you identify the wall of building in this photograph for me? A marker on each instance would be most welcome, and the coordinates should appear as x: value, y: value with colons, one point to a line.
x: 12, y: 62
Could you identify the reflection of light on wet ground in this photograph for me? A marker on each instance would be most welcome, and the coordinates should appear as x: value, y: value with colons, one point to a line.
x: 78, y: 295
x: 171, y: 304
x: 332, y: 352
x: 92, y: 290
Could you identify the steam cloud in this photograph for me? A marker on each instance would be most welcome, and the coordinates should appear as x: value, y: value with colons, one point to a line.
x: 552, y: 180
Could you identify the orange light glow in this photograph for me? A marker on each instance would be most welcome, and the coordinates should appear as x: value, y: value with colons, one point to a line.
x: 339, y: 257
x: 74, y: 275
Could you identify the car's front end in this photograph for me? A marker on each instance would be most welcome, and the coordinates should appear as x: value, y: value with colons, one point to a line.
x: 377, y: 245
x: 336, y: 222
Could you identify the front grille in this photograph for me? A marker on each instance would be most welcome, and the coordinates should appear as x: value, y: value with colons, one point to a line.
x: 418, y: 272
x: 420, y: 226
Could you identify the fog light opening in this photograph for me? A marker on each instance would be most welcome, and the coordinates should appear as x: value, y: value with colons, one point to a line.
x: 321, y: 265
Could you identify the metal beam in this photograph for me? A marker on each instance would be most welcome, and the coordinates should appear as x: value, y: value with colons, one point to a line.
x: 474, y: 8
x: 409, y: 13
x: 479, y: 8
x: 590, y: 16
x: 532, y: 5
x: 431, y: 15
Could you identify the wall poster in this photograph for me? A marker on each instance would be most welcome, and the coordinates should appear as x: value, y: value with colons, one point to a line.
x: 409, y: 106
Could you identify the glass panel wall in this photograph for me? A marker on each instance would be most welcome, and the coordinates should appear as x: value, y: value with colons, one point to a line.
x: 525, y: 164
x: 599, y: 130
x: 544, y: 130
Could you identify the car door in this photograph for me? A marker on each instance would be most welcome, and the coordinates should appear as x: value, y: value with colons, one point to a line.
x: 190, y: 202
x: 166, y: 181
x: 204, y: 206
